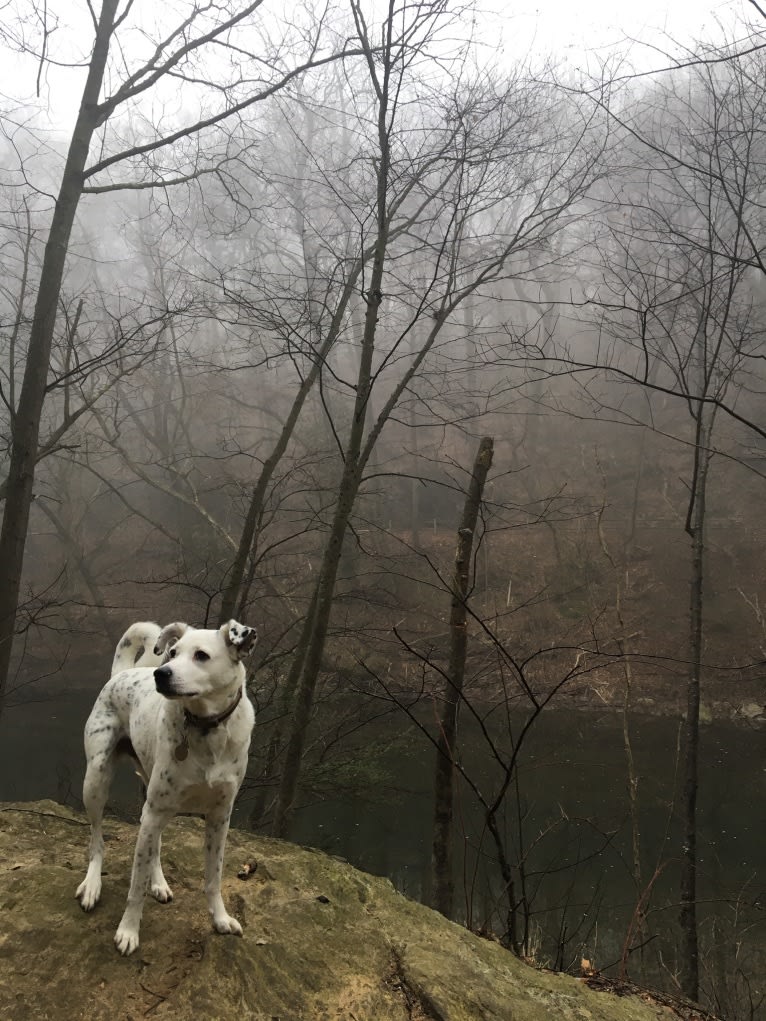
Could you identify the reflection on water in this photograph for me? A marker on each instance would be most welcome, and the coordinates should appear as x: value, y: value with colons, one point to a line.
x: 576, y: 844
x: 569, y: 826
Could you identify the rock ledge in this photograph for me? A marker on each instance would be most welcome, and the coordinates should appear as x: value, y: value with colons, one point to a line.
x: 323, y: 941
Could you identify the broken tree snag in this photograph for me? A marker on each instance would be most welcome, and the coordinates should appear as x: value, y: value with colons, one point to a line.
x: 444, y: 778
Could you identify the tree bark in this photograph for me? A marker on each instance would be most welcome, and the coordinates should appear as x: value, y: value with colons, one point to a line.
x: 689, y: 970
x: 316, y: 628
x: 388, y: 63
x: 234, y: 586
x: 444, y: 778
x: 316, y: 625
x: 25, y: 430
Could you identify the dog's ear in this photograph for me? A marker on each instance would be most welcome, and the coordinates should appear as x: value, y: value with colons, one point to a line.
x: 169, y: 636
x: 238, y: 637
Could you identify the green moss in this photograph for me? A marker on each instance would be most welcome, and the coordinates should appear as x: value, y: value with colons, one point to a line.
x: 322, y: 941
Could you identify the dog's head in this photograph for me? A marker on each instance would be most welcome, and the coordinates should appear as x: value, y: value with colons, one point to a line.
x: 200, y: 662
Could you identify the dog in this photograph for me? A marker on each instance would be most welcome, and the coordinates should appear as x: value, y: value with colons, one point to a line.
x: 187, y: 724
x: 136, y: 647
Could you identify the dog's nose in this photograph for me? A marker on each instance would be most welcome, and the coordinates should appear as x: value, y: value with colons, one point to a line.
x: 162, y: 677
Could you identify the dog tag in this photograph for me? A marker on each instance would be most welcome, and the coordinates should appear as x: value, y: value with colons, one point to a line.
x: 181, y: 750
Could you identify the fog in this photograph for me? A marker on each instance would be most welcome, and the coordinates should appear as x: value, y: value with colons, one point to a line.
x: 311, y: 265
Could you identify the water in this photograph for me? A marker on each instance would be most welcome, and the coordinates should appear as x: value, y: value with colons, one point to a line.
x: 570, y: 806
x: 576, y: 827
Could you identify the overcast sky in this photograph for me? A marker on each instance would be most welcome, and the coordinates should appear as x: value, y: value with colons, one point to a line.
x: 580, y: 32
x: 572, y: 29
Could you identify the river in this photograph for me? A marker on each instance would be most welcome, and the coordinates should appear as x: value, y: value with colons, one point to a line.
x: 570, y: 805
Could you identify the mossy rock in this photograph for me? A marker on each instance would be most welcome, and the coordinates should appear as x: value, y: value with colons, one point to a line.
x: 322, y: 942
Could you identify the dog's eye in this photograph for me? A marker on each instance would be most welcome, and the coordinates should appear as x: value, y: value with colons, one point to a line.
x: 201, y: 656
x: 172, y: 653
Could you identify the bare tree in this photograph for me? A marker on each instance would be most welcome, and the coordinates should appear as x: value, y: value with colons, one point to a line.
x: 176, y: 55
x: 678, y: 313
x: 444, y: 774
x: 480, y: 205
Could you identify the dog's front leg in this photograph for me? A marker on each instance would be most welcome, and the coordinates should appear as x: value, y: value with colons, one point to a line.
x: 216, y: 830
x: 146, y: 854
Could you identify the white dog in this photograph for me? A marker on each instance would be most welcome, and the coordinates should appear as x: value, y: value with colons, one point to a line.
x: 136, y: 647
x: 187, y: 724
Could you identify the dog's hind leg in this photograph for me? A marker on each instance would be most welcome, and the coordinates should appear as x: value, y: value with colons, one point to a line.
x: 95, y: 791
x: 158, y: 886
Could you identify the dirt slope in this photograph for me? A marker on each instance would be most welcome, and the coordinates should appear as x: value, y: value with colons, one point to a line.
x: 323, y: 941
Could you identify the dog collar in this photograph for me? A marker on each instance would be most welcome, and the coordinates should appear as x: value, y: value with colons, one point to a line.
x: 207, y: 723
x: 204, y: 724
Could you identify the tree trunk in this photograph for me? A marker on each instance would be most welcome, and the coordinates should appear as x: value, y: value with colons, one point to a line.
x: 245, y: 550
x: 25, y: 432
x: 444, y: 780
x: 315, y: 628
x: 235, y: 589
x: 284, y: 701
x: 695, y: 526
x: 353, y: 464
x: 317, y: 633
x: 81, y: 564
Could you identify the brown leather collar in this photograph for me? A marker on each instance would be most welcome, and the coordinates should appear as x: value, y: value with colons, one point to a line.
x: 208, y: 723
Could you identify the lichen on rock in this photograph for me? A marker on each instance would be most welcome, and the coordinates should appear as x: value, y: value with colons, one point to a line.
x: 323, y: 941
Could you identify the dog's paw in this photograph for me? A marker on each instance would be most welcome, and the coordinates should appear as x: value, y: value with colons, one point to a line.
x: 126, y: 940
x: 227, y: 925
x: 89, y: 893
x: 161, y: 892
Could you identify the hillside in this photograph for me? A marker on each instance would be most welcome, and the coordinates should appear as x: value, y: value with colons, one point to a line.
x: 323, y: 941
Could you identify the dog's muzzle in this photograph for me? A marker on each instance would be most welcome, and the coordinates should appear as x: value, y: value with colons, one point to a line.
x: 163, y: 678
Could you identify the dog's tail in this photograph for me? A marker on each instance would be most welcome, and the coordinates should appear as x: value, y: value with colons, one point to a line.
x: 136, y: 647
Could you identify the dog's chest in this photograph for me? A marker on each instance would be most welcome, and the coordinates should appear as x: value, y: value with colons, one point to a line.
x: 204, y: 797
x: 209, y: 770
